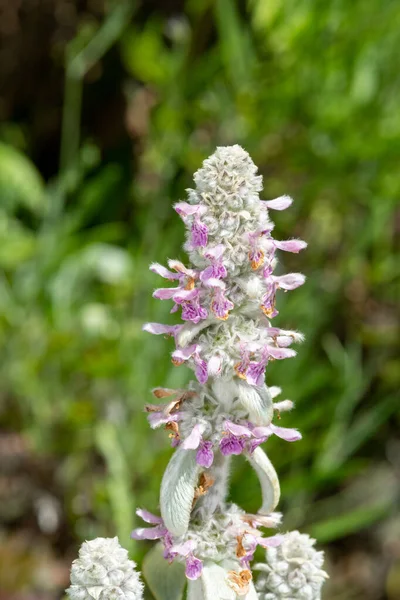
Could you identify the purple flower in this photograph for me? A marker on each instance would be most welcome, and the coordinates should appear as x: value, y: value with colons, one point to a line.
x: 247, y: 436
x: 185, y: 210
x: 194, y: 567
x: 268, y: 301
x: 280, y: 353
x: 149, y: 533
x: 285, y: 433
x: 180, y: 355
x: 256, y: 255
x: 159, y: 329
x: 164, y: 272
x: 255, y: 372
x: 201, y: 370
x: 205, y: 454
x: 192, y: 311
x: 194, y: 438
x: 230, y: 444
x: 199, y: 234
x: 242, y: 366
x: 221, y: 306
x: 216, y: 270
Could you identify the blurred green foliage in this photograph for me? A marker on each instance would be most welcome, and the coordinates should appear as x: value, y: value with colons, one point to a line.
x: 311, y: 90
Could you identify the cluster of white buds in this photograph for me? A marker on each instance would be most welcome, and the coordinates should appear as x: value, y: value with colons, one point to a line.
x: 293, y: 570
x: 103, y: 571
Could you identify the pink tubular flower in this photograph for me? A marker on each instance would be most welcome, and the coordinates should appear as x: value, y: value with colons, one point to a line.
x: 149, y: 533
x: 268, y: 300
x: 220, y: 305
x: 231, y: 444
x: 180, y: 355
x: 247, y: 436
x: 194, y: 567
x: 205, y: 454
x: 199, y: 234
x: 217, y: 269
x: 185, y: 210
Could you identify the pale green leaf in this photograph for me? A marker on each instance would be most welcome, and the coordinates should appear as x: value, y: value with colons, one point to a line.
x: 166, y: 581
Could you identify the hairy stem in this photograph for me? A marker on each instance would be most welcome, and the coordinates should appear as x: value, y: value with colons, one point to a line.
x: 214, y: 499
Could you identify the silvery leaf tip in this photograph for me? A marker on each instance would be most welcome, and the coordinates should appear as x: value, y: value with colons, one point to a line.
x: 103, y: 571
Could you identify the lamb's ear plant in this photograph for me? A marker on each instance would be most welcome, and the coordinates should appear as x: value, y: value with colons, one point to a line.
x: 227, y: 298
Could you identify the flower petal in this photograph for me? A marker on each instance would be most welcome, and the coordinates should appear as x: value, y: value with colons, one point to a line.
x: 271, y: 542
x: 185, y: 210
x: 278, y: 203
x: 291, y: 245
x: 194, y: 438
x: 291, y: 281
x: 163, y: 271
x: 148, y: 517
x: 182, y: 354
x: 159, y: 328
x: 286, y: 433
x: 165, y: 293
x: 238, y: 430
x: 205, y: 455
x: 149, y: 533
x: 215, y: 253
x: 183, y: 549
x: 194, y: 568
x: 280, y: 353
x: 230, y: 444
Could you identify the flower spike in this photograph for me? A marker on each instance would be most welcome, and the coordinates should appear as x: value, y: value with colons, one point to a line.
x: 226, y: 297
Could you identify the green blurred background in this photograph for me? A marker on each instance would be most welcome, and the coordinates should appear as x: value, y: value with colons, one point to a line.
x: 107, y: 109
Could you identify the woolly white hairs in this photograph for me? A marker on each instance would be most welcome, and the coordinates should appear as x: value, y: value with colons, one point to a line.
x: 293, y: 570
x: 103, y: 571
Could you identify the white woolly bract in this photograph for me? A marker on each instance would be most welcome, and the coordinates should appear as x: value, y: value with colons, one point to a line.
x: 292, y: 570
x: 103, y: 571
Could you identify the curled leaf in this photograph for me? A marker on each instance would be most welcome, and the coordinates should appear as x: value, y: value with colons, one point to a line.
x: 268, y: 480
